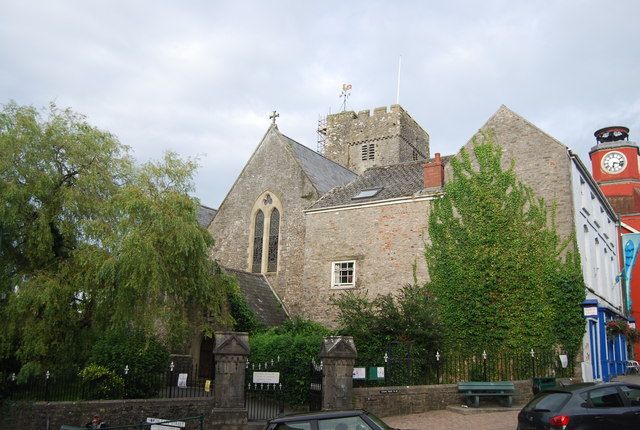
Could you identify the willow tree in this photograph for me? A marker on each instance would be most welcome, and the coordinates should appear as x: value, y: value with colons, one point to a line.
x: 502, y: 277
x: 89, y: 241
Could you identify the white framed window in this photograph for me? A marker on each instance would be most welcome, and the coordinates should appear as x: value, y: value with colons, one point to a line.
x: 343, y: 274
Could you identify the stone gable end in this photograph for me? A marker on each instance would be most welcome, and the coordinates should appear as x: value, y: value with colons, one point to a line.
x: 271, y: 168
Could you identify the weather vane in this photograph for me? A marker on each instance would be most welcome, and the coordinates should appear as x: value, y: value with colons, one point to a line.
x: 273, y: 117
x: 344, y: 95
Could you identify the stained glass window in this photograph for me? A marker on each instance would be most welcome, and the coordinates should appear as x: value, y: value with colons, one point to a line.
x: 274, y: 231
x: 257, y: 242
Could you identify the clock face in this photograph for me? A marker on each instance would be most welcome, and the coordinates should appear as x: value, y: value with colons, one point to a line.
x: 614, y: 162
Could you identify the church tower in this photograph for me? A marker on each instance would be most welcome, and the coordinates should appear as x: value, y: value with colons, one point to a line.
x: 363, y: 140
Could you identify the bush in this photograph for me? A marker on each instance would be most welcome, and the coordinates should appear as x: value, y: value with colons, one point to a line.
x: 296, y: 343
x: 100, y: 383
x: 146, y: 357
x: 405, y: 318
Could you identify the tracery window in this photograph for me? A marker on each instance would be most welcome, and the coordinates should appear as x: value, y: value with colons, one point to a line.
x: 265, y: 235
x: 274, y: 232
x: 257, y: 242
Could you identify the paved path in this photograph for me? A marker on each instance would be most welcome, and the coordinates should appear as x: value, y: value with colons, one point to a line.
x: 449, y: 420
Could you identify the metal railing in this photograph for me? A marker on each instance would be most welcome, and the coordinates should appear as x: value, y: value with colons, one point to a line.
x: 53, y: 386
x: 410, y: 367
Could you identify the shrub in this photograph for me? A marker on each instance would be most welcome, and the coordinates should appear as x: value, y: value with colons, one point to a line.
x: 146, y: 357
x: 296, y: 343
x: 405, y: 318
x: 99, y: 383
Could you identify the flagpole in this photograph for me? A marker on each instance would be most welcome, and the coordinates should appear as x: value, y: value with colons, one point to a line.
x: 398, y: 91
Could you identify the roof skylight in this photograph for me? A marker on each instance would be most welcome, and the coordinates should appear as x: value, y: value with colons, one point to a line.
x: 364, y: 194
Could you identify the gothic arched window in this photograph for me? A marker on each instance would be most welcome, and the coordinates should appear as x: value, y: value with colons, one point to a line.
x: 274, y: 231
x: 257, y: 242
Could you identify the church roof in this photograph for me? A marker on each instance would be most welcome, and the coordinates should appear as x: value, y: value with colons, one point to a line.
x: 260, y: 297
x: 205, y: 215
x: 322, y: 172
x: 377, y: 183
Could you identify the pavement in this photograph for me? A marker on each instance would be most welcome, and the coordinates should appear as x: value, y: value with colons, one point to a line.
x: 454, y: 418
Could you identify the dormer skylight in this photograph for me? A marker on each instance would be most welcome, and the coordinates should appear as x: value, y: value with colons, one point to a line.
x: 365, y: 194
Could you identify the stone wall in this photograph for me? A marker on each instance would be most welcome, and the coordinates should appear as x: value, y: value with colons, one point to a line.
x: 384, y: 241
x: 271, y: 168
x: 42, y: 415
x: 393, y: 133
x: 540, y: 160
x: 389, y: 401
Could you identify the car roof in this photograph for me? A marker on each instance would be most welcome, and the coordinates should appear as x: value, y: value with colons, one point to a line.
x: 586, y: 386
x: 318, y: 415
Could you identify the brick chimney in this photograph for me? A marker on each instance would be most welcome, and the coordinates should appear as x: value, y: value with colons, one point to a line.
x: 433, y: 172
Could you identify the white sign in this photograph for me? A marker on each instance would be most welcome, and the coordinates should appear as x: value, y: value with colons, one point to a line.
x: 170, y: 425
x: 162, y: 427
x: 182, y: 380
x: 564, y: 360
x: 590, y: 311
x: 380, y: 372
x: 266, y: 377
x: 359, y: 373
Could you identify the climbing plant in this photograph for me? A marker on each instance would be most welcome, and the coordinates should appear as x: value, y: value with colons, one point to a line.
x: 501, y: 276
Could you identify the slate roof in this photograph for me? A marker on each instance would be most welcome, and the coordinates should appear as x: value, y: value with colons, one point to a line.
x: 396, y: 181
x: 205, y: 215
x: 260, y: 297
x: 322, y: 172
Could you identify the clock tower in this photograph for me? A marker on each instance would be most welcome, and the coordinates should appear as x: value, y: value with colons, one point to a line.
x: 615, y: 164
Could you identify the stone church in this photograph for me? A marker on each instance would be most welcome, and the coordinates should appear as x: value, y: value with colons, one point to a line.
x: 299, y: 227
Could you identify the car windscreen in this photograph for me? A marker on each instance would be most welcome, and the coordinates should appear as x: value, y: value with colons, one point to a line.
x: 548, y: 401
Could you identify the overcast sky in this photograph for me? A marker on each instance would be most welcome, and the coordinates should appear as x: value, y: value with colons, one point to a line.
x: 201, y: 77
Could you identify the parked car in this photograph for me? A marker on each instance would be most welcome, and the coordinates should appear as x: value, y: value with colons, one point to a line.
x: 333, y: 420
x: 588, y: 406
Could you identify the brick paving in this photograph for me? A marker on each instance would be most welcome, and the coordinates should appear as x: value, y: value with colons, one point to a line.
x: 451, y: 420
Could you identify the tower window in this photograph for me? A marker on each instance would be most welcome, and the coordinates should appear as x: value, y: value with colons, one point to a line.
x: 368, y: 151
x: 414, y: 155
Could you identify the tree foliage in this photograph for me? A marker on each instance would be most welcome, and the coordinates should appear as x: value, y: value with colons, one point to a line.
x: 501, y: 275
x: 406, y: 317
x: 90, y: 241
x: 290, y: 348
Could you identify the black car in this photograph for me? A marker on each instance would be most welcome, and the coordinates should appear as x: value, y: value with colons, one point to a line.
x: 334, y: 420
x: 588, y: 406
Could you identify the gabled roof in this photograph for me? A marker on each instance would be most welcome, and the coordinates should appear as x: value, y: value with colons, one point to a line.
x: 322, y: 172
x: 394, y: 181
x: 260, y: 297
x: 205, y: 215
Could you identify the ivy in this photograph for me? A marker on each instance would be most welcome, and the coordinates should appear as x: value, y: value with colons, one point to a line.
x: 501, y: 276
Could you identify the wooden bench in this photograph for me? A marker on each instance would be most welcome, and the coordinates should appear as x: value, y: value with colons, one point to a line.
x: 472, y: 391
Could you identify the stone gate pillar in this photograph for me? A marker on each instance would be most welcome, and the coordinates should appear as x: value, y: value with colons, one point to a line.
x: 338, y: 355
x: 231, y: 351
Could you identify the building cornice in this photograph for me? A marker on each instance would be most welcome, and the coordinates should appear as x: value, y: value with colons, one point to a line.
x: 398, y: 200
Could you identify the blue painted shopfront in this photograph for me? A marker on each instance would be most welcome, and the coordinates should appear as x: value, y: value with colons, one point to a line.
x: 608, y: 353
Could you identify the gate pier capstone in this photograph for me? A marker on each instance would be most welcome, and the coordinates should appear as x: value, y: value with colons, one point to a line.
x: 231, y: 351
x: 338, y: 355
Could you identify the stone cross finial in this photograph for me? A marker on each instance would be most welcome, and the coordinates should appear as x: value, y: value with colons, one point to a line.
x: 273, y: 117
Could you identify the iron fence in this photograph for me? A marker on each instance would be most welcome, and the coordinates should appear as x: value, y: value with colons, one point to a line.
x: 54, y: 386
x: 406, y: 366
